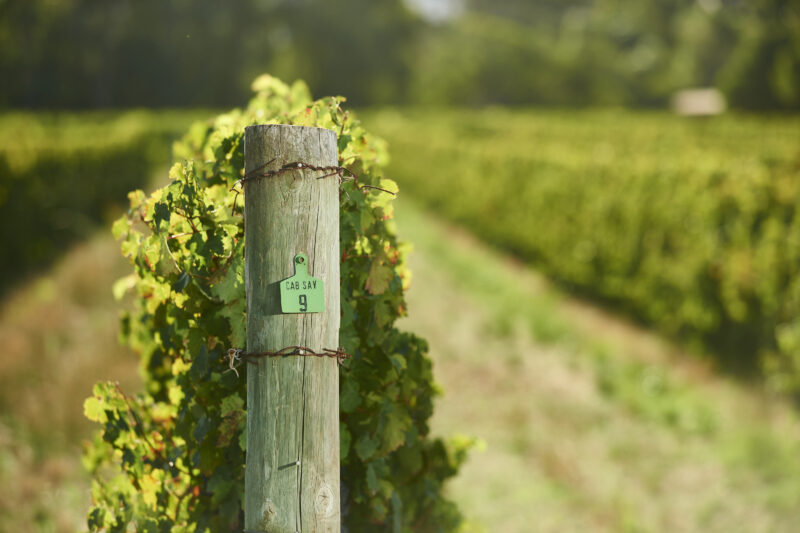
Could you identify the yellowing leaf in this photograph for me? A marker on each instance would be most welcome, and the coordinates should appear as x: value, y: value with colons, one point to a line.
x: 149, y: 491
x: 176, y: 171
x: 123, y: 285
x: 94, y: 410
x: 121, y: 225
x: 136, y: 198
x: 379, y: 277
x: 175, y: 393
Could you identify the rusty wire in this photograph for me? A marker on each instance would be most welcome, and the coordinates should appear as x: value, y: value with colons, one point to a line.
x: 237, y: 356
x: 345, y: 174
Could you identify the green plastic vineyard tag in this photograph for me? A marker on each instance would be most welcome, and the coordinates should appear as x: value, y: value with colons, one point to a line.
x: 302, y: 293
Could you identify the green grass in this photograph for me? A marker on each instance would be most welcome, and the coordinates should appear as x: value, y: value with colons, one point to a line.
x: 59, y: 335
x: 589, y: 422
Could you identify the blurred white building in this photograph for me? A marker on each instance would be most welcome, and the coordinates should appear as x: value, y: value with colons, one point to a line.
x: 698, y: 102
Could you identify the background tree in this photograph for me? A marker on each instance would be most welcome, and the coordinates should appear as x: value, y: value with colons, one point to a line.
x: 120, y: 53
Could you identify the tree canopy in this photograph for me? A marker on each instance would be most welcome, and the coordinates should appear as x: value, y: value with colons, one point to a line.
x: 178, y: 53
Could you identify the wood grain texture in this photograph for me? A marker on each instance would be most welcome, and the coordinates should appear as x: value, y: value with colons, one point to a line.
x: 292, y: 471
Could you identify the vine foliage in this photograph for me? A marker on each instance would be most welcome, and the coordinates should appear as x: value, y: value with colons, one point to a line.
x: 171, y: 458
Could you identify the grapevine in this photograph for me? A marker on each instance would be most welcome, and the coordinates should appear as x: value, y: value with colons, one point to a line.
x: 171, y: 458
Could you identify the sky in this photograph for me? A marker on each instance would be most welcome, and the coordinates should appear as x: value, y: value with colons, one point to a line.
x: 436, y: 10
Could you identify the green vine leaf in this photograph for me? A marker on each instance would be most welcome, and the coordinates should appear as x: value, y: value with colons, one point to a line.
x: 379, y: 277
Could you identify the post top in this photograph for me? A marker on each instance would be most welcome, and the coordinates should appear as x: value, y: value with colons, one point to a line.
x: 288, y: 126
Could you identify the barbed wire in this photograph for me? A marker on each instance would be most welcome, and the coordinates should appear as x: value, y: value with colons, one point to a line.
x: 344, y: 173
x: 237, y: 356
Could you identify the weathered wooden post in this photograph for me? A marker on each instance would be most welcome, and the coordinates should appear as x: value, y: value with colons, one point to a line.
x: 291, y: 224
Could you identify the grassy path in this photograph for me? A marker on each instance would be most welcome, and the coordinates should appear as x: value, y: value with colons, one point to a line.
x: 59, y: 336
x: 588, y: 423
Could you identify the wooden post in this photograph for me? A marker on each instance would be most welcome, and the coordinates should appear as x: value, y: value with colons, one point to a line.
x: 292, y: 471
